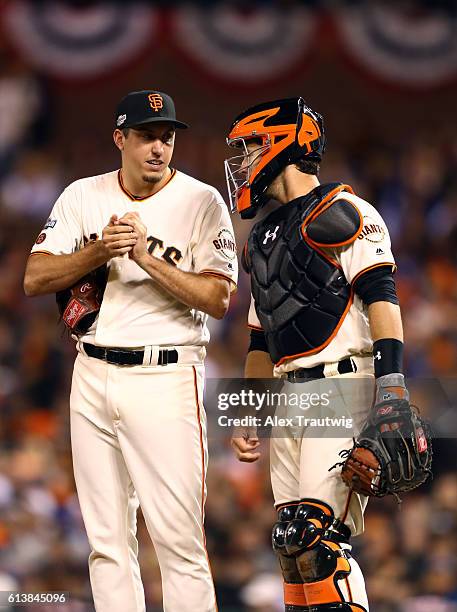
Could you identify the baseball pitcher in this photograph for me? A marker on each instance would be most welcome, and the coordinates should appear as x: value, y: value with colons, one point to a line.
x: 139, y: 257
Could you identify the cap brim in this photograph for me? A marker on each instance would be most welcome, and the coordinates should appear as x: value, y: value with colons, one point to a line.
x: 175, y: 122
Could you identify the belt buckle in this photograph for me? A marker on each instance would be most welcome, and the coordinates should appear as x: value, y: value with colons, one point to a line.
x: 292, y: 376
x: 106, y: 357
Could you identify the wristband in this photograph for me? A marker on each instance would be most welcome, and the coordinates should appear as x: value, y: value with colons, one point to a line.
x: 258, y: 341
x: 387, y: 357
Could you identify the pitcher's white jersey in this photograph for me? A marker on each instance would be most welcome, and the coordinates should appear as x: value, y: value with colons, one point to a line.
x: 188, y: 226
x: 371, y: 249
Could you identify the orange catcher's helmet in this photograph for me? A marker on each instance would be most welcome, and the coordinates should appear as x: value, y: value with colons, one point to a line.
x: 286, y: 130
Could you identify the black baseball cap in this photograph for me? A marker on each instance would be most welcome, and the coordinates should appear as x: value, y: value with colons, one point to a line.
x: 146, y: 106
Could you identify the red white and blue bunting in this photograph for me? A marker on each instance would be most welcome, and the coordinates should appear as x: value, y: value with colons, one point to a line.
x: 79, y: 42
x: 238, y: 46
x: 248, y: 46
x: 413, y: 49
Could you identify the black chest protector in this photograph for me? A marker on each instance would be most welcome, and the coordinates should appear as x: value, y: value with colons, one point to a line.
x: 301, y: 294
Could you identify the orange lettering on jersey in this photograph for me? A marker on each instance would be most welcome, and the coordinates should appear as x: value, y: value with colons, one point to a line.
x: 155, y: 101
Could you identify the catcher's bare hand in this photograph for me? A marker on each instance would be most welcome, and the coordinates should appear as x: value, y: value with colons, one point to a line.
x: 118, y: 238
x: 245, y: 442
x: 140, y: 248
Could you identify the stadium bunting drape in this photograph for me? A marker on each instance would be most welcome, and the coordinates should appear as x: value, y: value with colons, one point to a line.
x: 415, y: 49
x: 234, y: 45
x: 72, y: 43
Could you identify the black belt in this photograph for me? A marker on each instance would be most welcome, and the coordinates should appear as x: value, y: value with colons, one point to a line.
x: 345, y: 366
x: 120, y: 356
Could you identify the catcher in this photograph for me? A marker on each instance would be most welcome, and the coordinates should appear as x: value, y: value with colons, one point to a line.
x: 324, y: 304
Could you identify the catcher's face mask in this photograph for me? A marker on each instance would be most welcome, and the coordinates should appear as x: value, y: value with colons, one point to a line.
x: 241, y: 169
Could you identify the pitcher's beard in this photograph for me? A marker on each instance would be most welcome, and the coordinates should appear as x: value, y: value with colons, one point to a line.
x: 153, y: 178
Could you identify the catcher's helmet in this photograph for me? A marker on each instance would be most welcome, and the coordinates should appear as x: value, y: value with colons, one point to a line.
x: 287, y: 130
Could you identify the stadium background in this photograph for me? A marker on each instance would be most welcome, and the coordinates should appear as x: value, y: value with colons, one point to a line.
x: 385, y: 78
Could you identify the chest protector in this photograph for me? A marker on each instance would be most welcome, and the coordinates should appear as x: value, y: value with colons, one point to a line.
x: 301, y: 294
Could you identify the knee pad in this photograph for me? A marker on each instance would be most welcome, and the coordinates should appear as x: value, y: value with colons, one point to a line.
x: 303, y: 524
x: 294, y: 597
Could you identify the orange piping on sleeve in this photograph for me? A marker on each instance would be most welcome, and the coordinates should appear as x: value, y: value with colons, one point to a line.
x: 378, y: 265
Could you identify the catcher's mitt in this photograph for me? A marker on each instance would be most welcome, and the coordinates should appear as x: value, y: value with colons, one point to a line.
x: 79, y: 305
x: 392, y: 454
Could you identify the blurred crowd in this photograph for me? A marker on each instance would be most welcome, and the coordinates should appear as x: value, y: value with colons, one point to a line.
x: 409, y: 557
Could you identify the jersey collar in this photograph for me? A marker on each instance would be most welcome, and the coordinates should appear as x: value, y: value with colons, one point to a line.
x: 135, y: 198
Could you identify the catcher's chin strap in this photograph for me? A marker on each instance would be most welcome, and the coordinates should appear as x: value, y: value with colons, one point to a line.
x: 308, y: 540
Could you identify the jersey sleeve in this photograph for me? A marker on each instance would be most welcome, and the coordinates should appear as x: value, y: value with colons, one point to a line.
x: 372, y: 248
x: 213, y: 244
x: 62, y: 233
x: 253, y: 319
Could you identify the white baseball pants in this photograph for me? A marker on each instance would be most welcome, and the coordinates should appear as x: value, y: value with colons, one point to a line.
x: 139, y: 438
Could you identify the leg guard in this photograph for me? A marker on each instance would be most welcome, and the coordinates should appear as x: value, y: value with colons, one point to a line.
x: 308, y: 534
x: 294, y: 597
x: 325, y: 572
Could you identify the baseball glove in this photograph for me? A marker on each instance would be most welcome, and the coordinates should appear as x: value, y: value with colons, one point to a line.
x: 79, y: 305
x: 392, y: 454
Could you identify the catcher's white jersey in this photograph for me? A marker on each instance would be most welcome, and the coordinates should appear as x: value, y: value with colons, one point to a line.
x: 371, y: 249
x: 188, y: 225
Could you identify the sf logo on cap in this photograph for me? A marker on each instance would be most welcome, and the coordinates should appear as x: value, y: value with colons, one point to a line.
x: 155, y: 101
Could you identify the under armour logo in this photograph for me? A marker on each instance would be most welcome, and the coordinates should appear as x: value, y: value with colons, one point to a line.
x: 378, y: 356
x: 271, y: 235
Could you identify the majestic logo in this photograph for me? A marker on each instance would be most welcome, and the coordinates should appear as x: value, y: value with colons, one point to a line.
x: 155, y: 101
x: 271, y: 235
x: 372, y: 231
x: 225, y: 243
x: 378, y: 356
x: 50, y: 223
x: 121, y: 120
x: 41, y: 238
x: 379, y: 251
